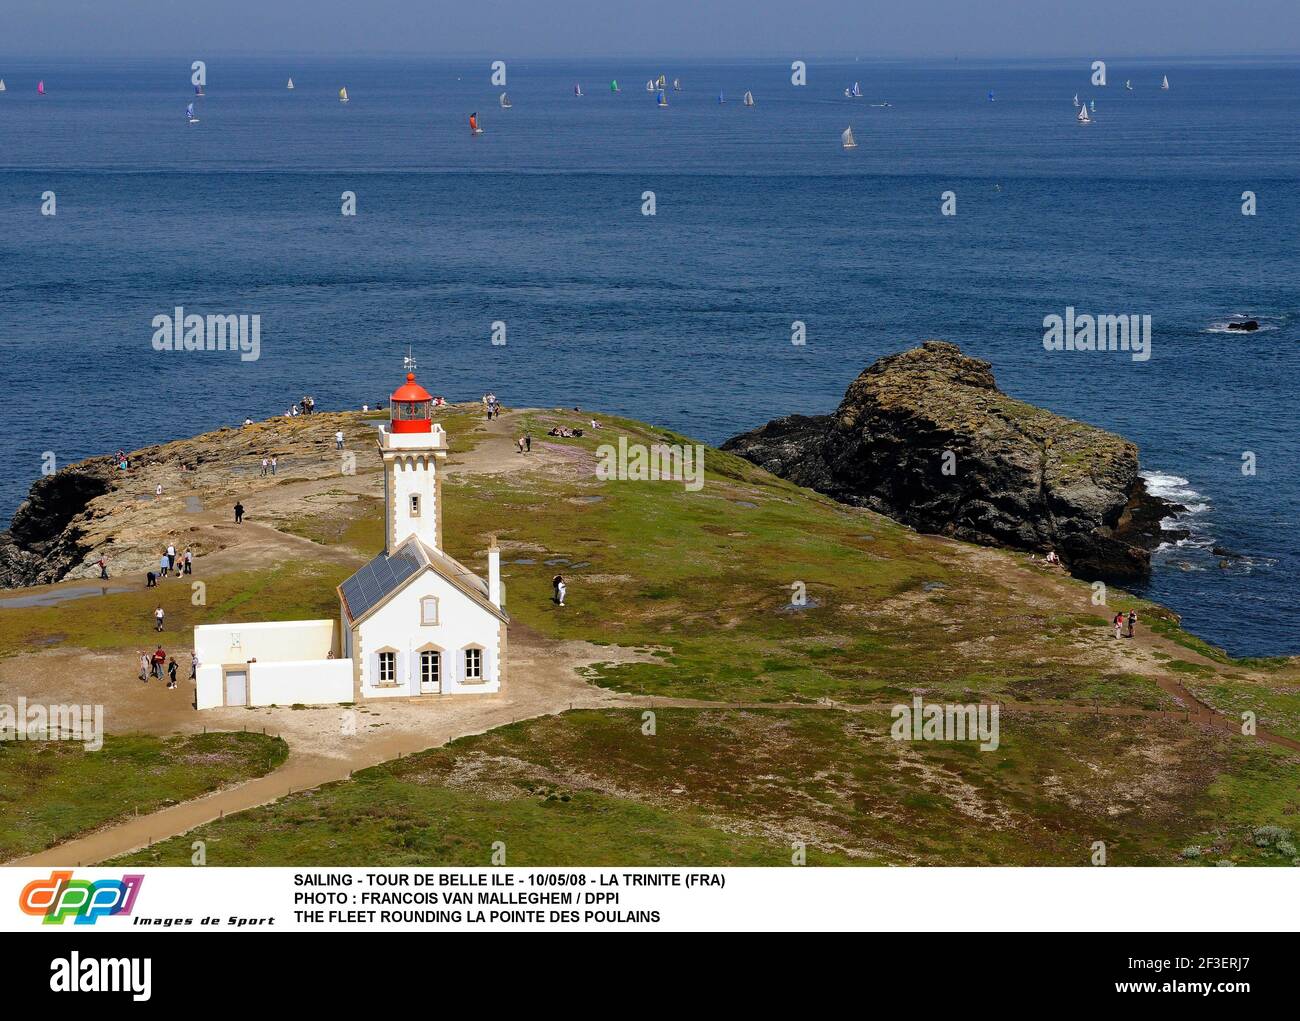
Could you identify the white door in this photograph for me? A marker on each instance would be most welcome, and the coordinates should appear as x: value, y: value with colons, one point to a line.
x: 430, y: 672
x: 236, y: 687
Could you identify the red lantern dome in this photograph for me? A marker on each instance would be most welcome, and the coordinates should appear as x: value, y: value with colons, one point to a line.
x: 409, y: 408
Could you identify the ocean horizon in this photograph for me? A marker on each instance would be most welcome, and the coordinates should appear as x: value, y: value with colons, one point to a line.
x: 683, y: 318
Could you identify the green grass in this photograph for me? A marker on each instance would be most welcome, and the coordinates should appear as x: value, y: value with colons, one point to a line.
x: 124, y: 620
x: 52, y: 791
x: 742, y: 786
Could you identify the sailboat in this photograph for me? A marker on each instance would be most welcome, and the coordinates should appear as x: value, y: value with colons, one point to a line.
x: 846, y: 139
x: 1093, y: 104
x: 749, y: 98
x: 1164, y: 82
x: 577, y: 89
x: 677, y: 85
x: 198, y: 90
x: 856, y: 91
x: 650, y: 85
x: 663, y: 99
x: 613, y: 86
x: 662, y: 83
x: 505, y: 102
x: 343, y: 94
x: 991, y: 99
x: 721, y: 97
x: 1076, y: 100
x: 290, y: 85
x: 1083, y: 117
x: 189, y: 114
x: 474, y: 129
x: 40, y: 87
x: 1128, y: 84
x: 2, y: 85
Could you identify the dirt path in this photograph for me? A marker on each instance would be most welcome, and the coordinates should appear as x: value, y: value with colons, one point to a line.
x: 552, y: 689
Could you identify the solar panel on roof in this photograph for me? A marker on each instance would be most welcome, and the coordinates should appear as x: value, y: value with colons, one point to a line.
x: 378, y: 578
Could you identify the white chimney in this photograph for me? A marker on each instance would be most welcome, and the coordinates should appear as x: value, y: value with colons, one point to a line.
x: 494, y: 573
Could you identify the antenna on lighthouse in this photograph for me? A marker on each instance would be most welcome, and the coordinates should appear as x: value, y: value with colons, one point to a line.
x: 408, y: 361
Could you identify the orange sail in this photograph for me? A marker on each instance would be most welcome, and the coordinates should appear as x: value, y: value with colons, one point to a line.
x: 473, y: 123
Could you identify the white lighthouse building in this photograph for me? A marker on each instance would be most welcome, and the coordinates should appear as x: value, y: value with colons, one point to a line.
x: 413, y: 622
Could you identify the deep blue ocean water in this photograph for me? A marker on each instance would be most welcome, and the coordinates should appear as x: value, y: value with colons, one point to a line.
x: 683, y: 318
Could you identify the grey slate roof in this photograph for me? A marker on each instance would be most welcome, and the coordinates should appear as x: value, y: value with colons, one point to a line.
x: 389, y: 572
x: 385, y: 574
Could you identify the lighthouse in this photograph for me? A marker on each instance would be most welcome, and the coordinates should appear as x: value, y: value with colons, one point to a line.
x: 412, y: 446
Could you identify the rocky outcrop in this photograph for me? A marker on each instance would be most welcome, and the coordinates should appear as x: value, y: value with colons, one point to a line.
x: 927, y: 438
x: 44, y: 540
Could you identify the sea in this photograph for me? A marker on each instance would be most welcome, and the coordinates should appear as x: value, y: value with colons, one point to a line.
x: 761, y: 220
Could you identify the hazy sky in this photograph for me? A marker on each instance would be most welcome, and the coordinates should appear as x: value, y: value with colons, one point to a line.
x: 520, y: 28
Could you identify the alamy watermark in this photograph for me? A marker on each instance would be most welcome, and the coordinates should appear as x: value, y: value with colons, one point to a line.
x: 181, y: 332
x: 637, y: 462
x: 34, y: 721
x: 1084, y: 332
x: 934, y: 722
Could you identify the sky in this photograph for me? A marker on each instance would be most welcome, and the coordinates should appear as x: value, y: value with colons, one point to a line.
x: 668, y: 28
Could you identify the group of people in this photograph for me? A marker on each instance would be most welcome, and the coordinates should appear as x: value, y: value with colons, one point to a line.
x: 491, y: 405
x: 170, y: 563
x: 1121, y: 619
x: 564, y: 432
x: 270, y: 465
x: 158, y: 663
x: 524, y: 443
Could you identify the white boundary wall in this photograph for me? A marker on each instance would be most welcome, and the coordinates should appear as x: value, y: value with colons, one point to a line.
x: 306, y: 682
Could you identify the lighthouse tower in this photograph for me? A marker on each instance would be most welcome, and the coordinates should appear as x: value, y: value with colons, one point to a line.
x: 412, y: 445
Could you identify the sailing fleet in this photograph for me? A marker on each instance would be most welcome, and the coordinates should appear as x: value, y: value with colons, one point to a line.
x: 658, y: 88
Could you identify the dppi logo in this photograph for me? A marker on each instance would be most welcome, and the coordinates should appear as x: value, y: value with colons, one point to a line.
x: 61, y: 897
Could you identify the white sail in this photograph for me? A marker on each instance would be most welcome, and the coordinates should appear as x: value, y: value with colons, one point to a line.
x: 650, y: 85
x: 343, y: 95
x: 1164, y: 82
x: 2, y: 85
x: 290, y: 85
x: 1083, y: 117
x: 677, y: 85
x: 846, y: 139
x: 749, y: 99
x: 505, y: 102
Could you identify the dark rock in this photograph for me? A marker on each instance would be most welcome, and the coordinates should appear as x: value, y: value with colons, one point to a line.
x: 43, y: 541
x: 927, y: 438
x: 1249, y: 326
x: 1223, y: 551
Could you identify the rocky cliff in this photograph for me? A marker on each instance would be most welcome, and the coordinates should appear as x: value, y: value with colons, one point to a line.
x: 926, y: 437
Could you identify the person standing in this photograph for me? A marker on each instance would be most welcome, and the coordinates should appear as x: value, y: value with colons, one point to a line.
x: 338, y: 440
x: 239, y: 513
x: 194, y: 665
x: 156, y: 662
x: 144, y: 667
x: 528, y: 443
x: 189, y: 560
x: 1132, y: 623
x: 265, y: 464
x: 274, y: 463
x: 1119, y: 623
x: 164, y: 564
x: 103, y: 569
x: 171, y: 673
x: 158, y: 618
